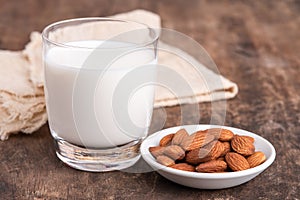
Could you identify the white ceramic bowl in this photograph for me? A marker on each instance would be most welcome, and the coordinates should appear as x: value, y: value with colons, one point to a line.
x: 207, y: 180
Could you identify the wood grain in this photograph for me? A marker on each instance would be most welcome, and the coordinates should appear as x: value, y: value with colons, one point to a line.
x: 254, y: 43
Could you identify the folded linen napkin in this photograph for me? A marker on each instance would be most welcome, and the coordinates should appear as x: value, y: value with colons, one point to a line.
x: 23, y: 86
x: 22, y: 104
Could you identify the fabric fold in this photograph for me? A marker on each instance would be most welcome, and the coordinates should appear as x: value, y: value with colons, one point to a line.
x: 22, y: 104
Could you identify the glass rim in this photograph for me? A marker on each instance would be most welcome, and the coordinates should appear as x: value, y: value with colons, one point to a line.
x: 48, y: 28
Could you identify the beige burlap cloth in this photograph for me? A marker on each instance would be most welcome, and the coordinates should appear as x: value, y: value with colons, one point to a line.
x: 22, y: 103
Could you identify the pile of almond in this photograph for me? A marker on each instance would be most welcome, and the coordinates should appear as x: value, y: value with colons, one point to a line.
x: 211, y: 150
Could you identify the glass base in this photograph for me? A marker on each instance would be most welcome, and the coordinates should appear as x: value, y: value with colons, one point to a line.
x: 95, y: 160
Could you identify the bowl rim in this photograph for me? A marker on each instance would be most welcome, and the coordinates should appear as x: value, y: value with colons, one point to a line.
x: 150, y: 159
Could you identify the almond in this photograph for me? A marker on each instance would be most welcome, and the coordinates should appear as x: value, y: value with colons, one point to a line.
x: 226, y: 148
x: 221, y: 134
x: 156, y: 151
x: 216, y: 150
x: 196, y: 140
x: 209, y: 152
x: 184, y: 167
x: 242, y: 145
x: 166, y: 140
x: 196, y: 156
x: 175, y: 152
x: 256, y: 159
x: 236, y: 162
x: 212, y: 166
x: 179, y: 136
x: 165, y: 160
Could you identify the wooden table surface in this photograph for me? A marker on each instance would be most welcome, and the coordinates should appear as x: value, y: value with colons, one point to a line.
x: 254, y: 43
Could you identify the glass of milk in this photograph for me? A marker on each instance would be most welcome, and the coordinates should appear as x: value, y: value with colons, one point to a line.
x: 99, y: 87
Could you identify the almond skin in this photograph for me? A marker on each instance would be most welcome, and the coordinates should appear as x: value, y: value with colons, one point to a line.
x: 236, y: 162
x: 256, y: 159
x: 175, y: 152
x: 196, y: 156
x: 242, y: 145
x: 221, y: 134
x: 165, y: 160
x: 226, y: 148
x: 196, y: 140
x: 212, y: 166
x: 179, y: 136
x: 156, y: 151
x: 216, y: 150
x: 251, y: 139
x: 209, y: 152
x: 184, y: 167
x: 221, y: 158
x: 166, y: 140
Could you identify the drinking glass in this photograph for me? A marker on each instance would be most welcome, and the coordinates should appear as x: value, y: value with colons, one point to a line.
x: 99, y: 88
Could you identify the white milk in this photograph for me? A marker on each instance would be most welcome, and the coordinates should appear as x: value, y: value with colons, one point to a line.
x: 96, y: 106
